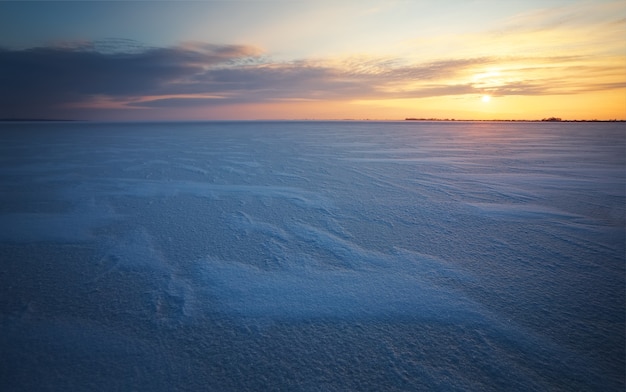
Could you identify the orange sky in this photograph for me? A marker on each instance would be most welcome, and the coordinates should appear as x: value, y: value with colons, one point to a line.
x: 315, y: 60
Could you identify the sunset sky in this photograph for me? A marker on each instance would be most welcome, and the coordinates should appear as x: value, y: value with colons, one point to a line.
x: 318, y: 59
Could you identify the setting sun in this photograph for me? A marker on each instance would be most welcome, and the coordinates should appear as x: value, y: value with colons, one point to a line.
x: 273, y: 60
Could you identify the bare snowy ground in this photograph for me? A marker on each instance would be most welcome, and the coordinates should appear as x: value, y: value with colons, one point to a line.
x: 312, y: 256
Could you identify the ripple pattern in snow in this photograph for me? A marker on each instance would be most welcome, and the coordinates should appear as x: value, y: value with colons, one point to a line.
x: 311, y: 256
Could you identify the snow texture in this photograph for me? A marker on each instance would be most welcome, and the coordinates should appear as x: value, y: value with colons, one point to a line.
x: 312, y: 256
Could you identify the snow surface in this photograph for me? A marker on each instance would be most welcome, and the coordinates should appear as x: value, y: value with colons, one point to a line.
x: 312, y: 256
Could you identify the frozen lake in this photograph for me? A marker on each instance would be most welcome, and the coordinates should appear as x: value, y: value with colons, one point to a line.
x: 312, y: 256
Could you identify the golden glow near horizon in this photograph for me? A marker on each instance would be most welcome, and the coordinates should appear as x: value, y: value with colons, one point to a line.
x: 567, y: 61
x: 520, y: 59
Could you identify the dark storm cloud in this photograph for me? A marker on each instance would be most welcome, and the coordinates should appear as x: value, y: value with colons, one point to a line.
x: 70, y: 77
x: 41, y: 79
x: 89, y: 71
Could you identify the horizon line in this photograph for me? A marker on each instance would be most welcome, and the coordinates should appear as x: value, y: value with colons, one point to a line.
x: 407, y: 119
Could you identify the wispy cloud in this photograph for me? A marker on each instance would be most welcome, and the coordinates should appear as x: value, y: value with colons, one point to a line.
x: 127, y: 75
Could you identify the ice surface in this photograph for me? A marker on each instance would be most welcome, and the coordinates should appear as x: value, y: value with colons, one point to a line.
x: 312, y: 256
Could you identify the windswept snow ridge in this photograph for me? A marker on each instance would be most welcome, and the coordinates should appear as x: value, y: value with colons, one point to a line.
x: 309, y: 256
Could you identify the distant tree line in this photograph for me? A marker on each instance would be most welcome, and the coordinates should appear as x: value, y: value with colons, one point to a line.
x: 549, y: 119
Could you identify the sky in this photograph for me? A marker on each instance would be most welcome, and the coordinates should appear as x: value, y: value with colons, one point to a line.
x: 317, y: 59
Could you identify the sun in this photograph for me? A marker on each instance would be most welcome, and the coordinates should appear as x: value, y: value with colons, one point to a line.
x: 486, y: 98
